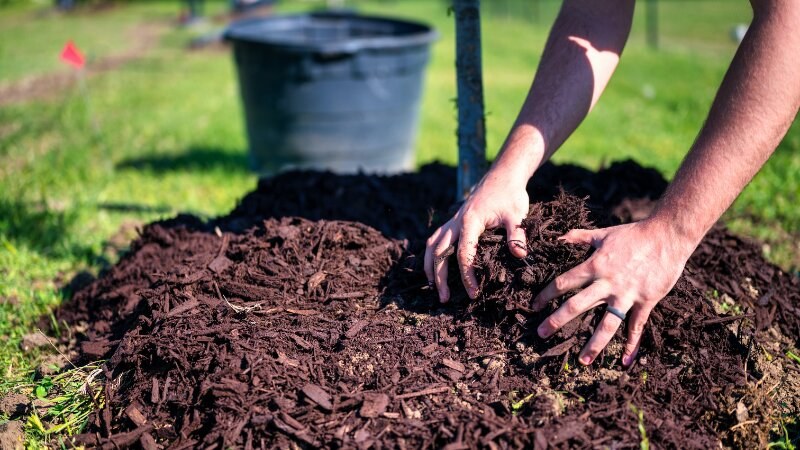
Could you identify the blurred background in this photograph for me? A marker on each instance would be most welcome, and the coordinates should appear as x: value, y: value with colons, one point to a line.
x: 154, y: 126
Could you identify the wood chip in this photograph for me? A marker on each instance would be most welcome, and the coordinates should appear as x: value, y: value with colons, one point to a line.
x: 539, y: 440
x: 356, y: 328
x: 374, y: 405
x: 219, y: 264
x: 362, y: 436
x: 315, y: 280
x: 135, y: 415
x: 456, y: 446
x: 455, y: 365
x: 147, y: 442
x: 301, y: 434
x: 286, y: 361
x: 183, y: 307
x: 429, y: 391
x: 561, y: 348
x: 302, y: 312
x: 347, y: 295
x: 301, y: 342
x: 727, y: 319
x: 318, y: 395
x: 429, y: 349
x: 294, y: 423
x: 192, y: 278
x: 154, y: 391
x: 124, y: 440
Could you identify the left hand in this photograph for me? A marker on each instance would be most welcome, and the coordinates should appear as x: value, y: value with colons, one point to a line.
x: 633, y: 267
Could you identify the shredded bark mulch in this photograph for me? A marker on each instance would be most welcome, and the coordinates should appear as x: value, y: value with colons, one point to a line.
x: 303, y: 319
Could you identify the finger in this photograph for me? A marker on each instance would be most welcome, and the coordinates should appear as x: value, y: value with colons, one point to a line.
x: 440, y: 263
x: 516, y: 238
x: 572, y: 308
x: 467, y: 247
x: 580, y: 236
x: 575, y: 278
x: 605, y: 330
x: 636, y: 323
x: 430, y: 246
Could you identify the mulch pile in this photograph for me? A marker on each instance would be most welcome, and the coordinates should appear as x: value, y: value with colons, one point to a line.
x: 511, y: 283
x: 303, y: 319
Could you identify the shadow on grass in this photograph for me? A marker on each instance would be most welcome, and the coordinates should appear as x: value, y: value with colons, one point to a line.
x: 135, y: 208
x: 39, y: 227
x: 192, y: 160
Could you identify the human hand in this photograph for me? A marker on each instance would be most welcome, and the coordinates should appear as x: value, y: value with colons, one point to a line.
x: 633, y: 267
x: 499, y: 200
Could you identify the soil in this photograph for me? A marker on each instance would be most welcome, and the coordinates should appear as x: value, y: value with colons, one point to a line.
x: 32, y: 341
x: 12, y: 435
x: 14, y: 405
x: 303, y: 319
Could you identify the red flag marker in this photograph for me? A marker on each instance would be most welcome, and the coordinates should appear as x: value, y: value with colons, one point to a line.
x: 71, y: 55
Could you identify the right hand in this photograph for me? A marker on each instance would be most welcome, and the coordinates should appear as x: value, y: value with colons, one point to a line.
x: 499, y: 200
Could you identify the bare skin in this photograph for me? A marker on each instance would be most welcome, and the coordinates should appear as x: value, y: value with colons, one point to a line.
x: 634, y: 265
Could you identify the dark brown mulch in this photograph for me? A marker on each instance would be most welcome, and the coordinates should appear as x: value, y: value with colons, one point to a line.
x: 512, y: 282
x: 302, y: 319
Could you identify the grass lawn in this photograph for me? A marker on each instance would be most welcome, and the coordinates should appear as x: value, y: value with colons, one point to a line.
x: 164, y: 133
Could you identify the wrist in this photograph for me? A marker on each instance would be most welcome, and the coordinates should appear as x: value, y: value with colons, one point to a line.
x: 682, y: 235
x: 521, y: 155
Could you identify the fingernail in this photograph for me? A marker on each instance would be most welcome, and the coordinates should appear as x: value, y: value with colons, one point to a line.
x: 543, y: 331
x: 627, y: 360
x: 586, y: 360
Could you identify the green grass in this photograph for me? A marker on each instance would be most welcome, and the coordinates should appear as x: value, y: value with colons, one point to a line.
x: 785, y: 440
x: 45, y: 31
x: 644, y: 443
x: 164, y: 133
x: 61, y: 404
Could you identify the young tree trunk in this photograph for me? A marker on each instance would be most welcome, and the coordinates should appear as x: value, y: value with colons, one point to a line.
x: 471, y: 121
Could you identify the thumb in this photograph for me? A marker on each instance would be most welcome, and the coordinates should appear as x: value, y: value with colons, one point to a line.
x: 516, y: 238
x: 579, y: 236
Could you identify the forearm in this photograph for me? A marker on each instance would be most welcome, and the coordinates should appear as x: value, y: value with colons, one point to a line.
x: 579, y: 58
x: 756, y: 103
